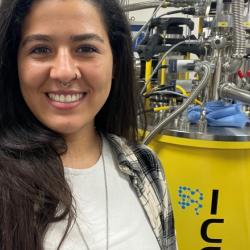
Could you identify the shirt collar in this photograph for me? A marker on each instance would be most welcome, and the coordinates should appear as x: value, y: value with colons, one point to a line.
x: 124, y: 154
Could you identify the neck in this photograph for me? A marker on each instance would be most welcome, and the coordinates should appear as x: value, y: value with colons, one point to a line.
x: 83, y: 150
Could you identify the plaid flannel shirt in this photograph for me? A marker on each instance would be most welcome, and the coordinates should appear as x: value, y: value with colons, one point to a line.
x: 147, y: 178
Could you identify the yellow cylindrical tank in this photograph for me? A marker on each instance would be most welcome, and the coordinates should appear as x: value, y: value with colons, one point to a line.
x: 209, y: 183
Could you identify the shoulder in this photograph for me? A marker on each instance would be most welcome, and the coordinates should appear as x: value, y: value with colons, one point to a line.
x: 139, y: 155
x: 142, y: 152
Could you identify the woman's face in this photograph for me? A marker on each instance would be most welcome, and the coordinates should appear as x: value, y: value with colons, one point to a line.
x: 62, y: 39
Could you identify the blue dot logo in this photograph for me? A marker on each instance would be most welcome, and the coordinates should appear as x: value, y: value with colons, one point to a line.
x: 190, y: 198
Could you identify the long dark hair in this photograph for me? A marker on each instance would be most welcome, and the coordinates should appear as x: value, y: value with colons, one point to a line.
x: 33, y: 190
x: 118, y: 115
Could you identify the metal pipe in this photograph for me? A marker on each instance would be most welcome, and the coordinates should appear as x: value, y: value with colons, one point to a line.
x: 213, y: 91
x: 219, y: 9
x: 239, y: 34
x: 182, y: 3
x: 229, y: 90
x: 206, y: 66
x: 239, y: 38
x: 143, y: 5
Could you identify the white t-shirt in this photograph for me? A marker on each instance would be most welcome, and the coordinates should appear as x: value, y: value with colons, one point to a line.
x: 129, y: 228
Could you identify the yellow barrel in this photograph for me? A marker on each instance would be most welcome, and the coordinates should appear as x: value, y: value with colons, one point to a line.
x: 209, y: 184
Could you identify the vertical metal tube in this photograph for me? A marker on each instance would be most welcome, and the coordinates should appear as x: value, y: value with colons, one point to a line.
x: 239, y: 34
x: 213, y: 90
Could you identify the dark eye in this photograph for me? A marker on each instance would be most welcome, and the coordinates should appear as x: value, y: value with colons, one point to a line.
x: 87, y: 49
x: 40, y: 50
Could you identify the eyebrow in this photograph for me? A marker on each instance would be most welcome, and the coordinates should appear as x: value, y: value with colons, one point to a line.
x: 88, y: 36
x: 74, y: 38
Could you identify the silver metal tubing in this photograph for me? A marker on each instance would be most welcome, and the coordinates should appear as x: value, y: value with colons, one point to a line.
x: 229, y: 90
x: 239, y: 34
x: 182, y: 3
x: 143, y: 5
x: 213, y: 91
x: 206, y: 66
x: 239, y: 38
x: 219, y: 9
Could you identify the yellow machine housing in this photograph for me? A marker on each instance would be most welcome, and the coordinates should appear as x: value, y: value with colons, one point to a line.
x: 209, y: 184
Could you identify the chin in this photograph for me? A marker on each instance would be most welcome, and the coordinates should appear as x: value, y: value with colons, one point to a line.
x: 73, y: 129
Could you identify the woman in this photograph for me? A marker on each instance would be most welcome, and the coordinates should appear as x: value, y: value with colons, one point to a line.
x: 72, y: 175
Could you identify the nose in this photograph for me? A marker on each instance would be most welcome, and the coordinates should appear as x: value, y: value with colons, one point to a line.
x: 64, y: 67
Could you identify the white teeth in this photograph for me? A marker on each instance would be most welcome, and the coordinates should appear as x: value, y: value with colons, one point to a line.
x: 57, y: 98
x: 74, y: 98
x: 62, y: 99
x: 68, y: 98
x: 65, y: 98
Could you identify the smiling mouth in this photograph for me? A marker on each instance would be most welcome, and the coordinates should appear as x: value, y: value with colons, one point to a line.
x: 66, y: 98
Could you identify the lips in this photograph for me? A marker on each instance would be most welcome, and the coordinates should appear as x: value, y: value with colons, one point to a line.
x: 65, y: 100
